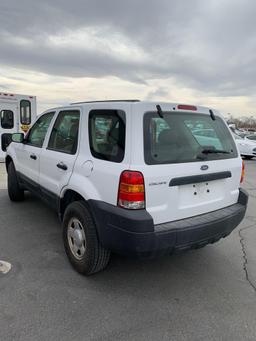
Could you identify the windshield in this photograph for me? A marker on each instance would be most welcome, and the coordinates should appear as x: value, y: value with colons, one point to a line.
x: 237, y: 137
x: 184, y: 137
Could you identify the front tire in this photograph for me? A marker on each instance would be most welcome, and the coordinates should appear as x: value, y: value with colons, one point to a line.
x: 16, y: 193
x: 248, y: 157
x: 81, y: 242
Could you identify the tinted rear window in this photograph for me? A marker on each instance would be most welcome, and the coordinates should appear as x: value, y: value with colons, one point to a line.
x: 183, y: 137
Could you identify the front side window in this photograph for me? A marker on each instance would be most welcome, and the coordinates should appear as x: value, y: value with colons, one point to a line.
x: 7, y: 119
x: 107, y: 134
x: 64, y: 135
x: 37, y: 133
x: 25, y: 112
x: 182, y: 137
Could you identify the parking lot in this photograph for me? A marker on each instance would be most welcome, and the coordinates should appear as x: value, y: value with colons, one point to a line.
x: 206, y: 294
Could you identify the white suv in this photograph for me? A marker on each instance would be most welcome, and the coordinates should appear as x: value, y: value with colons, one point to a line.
x: 131, y: 177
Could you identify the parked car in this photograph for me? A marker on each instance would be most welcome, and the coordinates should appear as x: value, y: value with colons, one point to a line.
x: 146, y: 185
x: 247, y: 147
x: 236, y: 131
x: 251, y: 138
x: 16, y: 114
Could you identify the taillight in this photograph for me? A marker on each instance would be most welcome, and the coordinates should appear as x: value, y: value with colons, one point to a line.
x: 243, y: 172
x: 131, y: 193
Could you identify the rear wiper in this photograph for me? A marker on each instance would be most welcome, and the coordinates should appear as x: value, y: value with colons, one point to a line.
x: 214, y: 151
x: 159, y: 111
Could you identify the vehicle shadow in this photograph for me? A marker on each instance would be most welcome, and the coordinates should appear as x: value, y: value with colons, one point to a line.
x: 39, y: 246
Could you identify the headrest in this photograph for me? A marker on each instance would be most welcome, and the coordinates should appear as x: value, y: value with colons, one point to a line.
x: 113, y: 135
x: 74, y: 128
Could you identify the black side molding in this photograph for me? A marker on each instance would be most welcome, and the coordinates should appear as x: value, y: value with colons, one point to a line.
x: 186, y: 180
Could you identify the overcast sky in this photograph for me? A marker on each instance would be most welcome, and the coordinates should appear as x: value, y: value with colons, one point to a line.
x: 197, y: 51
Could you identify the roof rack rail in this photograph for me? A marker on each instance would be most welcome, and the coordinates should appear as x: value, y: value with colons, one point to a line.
x: 109, y: 100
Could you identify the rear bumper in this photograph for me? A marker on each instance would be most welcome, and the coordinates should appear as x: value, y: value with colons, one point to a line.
x: 133, y: 232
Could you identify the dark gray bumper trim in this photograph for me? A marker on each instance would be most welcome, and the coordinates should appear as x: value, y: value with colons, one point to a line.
x: 200, y: 220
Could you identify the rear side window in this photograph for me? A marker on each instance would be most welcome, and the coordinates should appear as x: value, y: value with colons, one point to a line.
x: 183, y: 137
x: 64, y: 135
x: 25, y: 112
x: 7, y: 119
x: 107, y: 134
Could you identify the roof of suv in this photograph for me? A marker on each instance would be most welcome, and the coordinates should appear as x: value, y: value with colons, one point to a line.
x: 166, y: 106
x: 110, y: 100
x: 146, y: 106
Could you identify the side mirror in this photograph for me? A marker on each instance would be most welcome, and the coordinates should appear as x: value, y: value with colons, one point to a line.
x: 18, y: 137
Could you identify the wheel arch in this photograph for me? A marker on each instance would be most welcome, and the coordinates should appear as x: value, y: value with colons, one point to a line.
x: 68, y: 197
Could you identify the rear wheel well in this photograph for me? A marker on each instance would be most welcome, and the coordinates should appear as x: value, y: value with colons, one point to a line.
x: 69, y: 197
x: 8, y: 160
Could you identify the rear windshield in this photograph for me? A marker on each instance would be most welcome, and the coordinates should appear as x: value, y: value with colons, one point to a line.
x: 183, y: 137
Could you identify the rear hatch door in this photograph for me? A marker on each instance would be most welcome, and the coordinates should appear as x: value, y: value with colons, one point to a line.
x: 192, y: 165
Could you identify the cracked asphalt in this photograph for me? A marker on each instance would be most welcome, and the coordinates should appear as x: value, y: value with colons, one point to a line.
x: 206, y: 294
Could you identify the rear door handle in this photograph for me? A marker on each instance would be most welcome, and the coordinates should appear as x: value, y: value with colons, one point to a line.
x: 33, y: 157
x: 61, y: 165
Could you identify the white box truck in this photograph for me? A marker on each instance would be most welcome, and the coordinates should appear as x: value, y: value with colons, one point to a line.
x: 17, y: 112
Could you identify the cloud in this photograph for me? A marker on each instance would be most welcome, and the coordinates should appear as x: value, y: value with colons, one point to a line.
x: 157, y: 94
x: 207, y: 46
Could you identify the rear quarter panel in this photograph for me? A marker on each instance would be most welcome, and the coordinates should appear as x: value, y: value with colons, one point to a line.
x: 94, y: 178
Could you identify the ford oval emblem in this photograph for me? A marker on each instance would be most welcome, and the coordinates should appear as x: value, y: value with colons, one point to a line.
x: 204, y: 167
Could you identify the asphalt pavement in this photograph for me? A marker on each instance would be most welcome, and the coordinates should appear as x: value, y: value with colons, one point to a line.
x: 206, y: 294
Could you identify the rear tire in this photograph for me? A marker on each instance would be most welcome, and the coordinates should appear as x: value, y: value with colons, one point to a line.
x: 16, y: 193
x: 81, y: 242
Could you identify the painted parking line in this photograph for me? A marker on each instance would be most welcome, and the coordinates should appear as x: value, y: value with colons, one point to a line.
x: 5, y: 267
